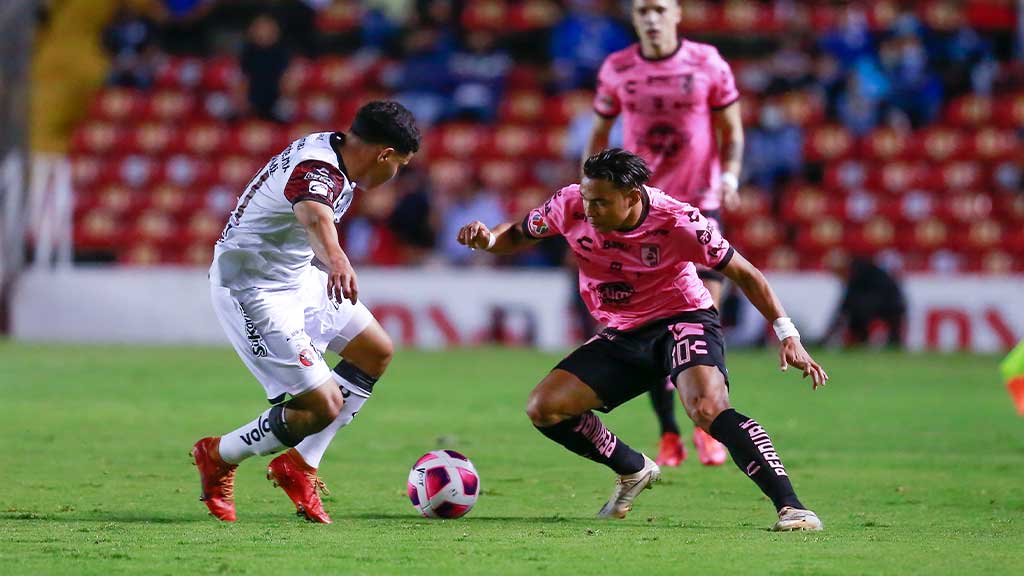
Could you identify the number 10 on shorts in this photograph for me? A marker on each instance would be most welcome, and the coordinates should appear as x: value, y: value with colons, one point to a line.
x: 685, y: 348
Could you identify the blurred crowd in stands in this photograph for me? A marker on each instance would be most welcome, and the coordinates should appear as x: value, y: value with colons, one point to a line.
x: 863, y: 66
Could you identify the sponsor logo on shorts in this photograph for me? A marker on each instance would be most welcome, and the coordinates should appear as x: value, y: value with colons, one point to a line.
x: 615, y: 293
x: 256, y: 343
x: 650, y: 254
x: 306, y: 357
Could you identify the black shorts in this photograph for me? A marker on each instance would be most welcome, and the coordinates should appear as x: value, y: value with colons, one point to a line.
x: 703, y: 272
x: 621, y: 365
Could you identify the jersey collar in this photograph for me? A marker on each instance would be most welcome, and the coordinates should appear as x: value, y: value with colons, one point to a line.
x: 337, y: 142
x: 679, y: 47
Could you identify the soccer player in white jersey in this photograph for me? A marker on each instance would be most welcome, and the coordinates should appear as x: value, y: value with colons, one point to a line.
x: 281, y: 313
x: 682, y: 115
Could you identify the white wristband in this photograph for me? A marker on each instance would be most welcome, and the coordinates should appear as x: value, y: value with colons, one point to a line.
x: 784, y: 328
x: 491, y: 241
x: 730, y: 179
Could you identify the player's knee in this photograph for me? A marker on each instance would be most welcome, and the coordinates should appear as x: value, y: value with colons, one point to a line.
x: 542, y: 411
x: 382, y: 359
x: 703, y: 410
x: 331, y: 407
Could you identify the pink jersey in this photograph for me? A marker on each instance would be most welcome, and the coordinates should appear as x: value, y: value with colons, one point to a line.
x: 630, y: 278
x: 668, y: 104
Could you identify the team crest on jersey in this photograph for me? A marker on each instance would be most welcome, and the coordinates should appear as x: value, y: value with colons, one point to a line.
x: 650, y: 254
x: 306, y: 357
x: 538, y: 224
x: 704, y: 236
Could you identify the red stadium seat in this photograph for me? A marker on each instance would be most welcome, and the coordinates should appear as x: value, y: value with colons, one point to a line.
x: 152, y: 139
x: 179, y: 73
x: 204, y: 139
x: 917, y: 206
x: 962, y: 208
x: 941, y: 143
x: 459, y: 140
x: 236, y: 170
x: 338, y: 76
x: 117, y: 105
x: 1010, y: 110
x: 993, y: 144
x: 802, y: 108
x: 804, y: 204
x: 485, y: 15
x: 221, y: 74
x: 970, y: 110
x: 961, y: 176
x: 873, y: 236
x: 930, y: 234
x: 886, y: 144
x: 828, y: 143
x: 739, y: 17
x: 141, y: 255
x: 89, y: 172
x: 339, y: 17
x: 98, y: 229
x: 522, y: 107
x: 700, y: 16
x: 504, y: 175
x: 170, y: 106
x: 97, y: 138
x: 781, y: 259
x: 532, y: 15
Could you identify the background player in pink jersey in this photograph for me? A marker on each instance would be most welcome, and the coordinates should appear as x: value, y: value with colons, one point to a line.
x: 637, y: 248
x: 682, y: 115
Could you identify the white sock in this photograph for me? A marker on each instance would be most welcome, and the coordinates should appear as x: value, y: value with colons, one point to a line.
x: 253, y: 439
x: 312, y: 447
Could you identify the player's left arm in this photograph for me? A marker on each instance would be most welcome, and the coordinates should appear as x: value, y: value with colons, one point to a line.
x: 760, y: 293
x: 729, y: 130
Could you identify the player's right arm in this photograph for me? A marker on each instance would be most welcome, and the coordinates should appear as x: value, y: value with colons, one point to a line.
x: 599, y: 135
x: 606, y: 109
x: 508, y: 238
x: 318, y: 220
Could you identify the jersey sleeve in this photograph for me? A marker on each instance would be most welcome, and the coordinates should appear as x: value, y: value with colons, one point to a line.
x: 723, y: 84
x: 314, y: 180
x: 701, y: 241
x: 547, y: 219
x: 606, y: 100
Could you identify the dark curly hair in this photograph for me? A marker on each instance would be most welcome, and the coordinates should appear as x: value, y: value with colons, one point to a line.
x: 622, y: 168
x: 387, y: 122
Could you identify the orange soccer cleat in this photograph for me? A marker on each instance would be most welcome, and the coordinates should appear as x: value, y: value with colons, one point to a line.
x: 672, y: 452
x: 300, y: 482
x: 217, y: 478
x: 710, y: 451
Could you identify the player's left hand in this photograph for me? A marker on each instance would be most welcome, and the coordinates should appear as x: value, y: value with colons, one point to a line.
x: 792, y: 353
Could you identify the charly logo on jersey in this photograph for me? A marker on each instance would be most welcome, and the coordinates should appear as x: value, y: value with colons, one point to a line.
x: 615, y: 292
x: 650, y: 254
x: 704, y: 236
x: 538, y: 224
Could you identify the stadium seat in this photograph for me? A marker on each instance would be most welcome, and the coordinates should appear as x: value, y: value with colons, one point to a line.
x: 97, y: 138
x: 522, y: 107
x: 886, y: 144
x: 993, y: 144
x: 117, y: 105
x: 532, y: 15
x: 828, y: 143
x: 942, y: 143
x: 485, y: 15
x: 970, y: 110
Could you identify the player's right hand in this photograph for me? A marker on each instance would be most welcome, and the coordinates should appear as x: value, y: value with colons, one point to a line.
x: 475, y: 235
x: 341, y: 282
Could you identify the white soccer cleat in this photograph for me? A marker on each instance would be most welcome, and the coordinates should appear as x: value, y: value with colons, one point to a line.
x: 794, y: 519
x: 628, y: 487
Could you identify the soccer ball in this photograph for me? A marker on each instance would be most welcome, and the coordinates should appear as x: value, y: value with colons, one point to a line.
x: 443, y: 484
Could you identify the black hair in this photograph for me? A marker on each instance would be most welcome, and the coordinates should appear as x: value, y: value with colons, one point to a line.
x: 622, y: 168
x: 389, y: 123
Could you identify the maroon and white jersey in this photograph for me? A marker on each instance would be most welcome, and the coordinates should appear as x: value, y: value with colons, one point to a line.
x: 263, y: 244
x: 629, y: 278
x: 668, y: 104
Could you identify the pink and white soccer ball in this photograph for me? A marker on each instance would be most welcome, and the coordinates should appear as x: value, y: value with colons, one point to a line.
x: 443, y: 484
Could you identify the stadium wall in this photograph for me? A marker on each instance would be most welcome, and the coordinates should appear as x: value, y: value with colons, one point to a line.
x: 435, y: 308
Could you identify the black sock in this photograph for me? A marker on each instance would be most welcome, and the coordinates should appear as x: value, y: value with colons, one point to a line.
x: 663, y: 399
x: 587, y: 436
x: 752, y: 451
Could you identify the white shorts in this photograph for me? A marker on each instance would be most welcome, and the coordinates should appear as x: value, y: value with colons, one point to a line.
x: 281, y: 335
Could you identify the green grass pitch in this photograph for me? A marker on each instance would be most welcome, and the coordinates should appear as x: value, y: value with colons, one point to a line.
x: 914, y: 462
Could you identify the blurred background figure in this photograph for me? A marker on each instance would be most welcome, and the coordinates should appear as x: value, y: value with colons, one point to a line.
x: 263, y: 62
x: 872, y: 304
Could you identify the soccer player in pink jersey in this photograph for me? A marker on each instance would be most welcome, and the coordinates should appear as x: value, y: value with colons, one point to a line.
x: 637, y: 248
x: 677, y: 96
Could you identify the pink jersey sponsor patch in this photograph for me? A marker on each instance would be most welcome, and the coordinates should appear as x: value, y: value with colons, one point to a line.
x: 629, y: 278
x: 667, y: 105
